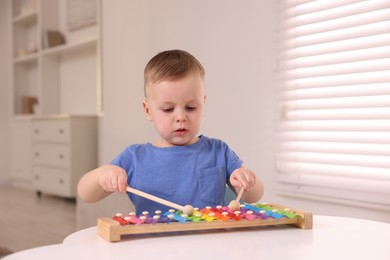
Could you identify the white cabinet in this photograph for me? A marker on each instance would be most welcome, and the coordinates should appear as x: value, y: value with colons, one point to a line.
x: 53, y: 73
x: 63, y: 149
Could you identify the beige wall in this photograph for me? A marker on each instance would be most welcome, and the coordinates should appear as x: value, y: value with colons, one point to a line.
x: 232, y: 39
x: 5, y: 82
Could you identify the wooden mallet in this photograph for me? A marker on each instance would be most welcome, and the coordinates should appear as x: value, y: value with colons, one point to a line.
x: 235, y: 204
x: 187, y: 209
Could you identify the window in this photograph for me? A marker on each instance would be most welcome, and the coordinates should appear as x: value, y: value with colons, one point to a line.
x: 333, y: 100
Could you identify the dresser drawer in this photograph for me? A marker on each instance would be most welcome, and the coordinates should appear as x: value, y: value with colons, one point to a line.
x: 52, y: 180
x: 56, y: 155
x: 51, y: 130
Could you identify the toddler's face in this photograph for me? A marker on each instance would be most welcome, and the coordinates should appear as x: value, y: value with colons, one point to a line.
x: 176, y: 109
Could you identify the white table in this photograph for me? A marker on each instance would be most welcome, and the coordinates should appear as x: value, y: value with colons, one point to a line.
x: 330, y: 238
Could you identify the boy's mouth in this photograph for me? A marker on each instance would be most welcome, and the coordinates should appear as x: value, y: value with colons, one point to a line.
x: 181, y: 131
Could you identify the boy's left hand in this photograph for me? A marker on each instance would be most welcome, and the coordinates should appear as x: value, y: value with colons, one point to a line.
x: 243, y: 177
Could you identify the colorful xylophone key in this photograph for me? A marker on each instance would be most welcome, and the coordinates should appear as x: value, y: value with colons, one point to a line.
x: 209, y: 218
x: 219, y: 213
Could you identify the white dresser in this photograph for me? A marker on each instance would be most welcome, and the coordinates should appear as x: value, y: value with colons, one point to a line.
x: 64, y: 148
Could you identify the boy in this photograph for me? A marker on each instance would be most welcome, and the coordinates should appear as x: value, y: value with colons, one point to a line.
x: 180, y: 166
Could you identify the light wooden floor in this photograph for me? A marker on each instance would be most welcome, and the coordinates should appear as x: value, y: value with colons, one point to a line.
x: 28, y: 221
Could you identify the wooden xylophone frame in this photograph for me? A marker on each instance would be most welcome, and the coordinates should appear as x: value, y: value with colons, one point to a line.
x: 111, y: 230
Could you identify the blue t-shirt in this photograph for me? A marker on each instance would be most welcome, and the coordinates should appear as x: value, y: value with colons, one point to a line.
x: 194, y: 175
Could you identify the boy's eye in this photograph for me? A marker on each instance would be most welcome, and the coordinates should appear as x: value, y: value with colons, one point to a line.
x: 190, y: 108
x: 167, y: 110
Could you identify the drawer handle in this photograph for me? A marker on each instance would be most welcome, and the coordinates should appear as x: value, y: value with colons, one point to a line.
x: 36, y: 131
x: 61, y: 156
x: 36, y: 154
x: 61, y: 131
x: 61, y: 181
x: 37, y: 177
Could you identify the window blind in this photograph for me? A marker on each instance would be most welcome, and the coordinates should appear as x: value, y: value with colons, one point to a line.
x: 333, y: 100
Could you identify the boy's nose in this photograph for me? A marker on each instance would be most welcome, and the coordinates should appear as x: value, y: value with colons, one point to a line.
x: 180, y: 117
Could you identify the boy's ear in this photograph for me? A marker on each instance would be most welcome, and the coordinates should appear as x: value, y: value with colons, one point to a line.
x: 147, y: 110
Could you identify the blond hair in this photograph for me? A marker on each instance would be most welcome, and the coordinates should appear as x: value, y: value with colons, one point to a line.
x: 171, y: 65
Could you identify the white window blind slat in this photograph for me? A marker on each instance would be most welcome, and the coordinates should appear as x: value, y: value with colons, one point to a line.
x: 372, y: 188
x: 338, y: 91
x: 333, y: 100
x: 337, y: 148
x: 343, y: 22
x: 340, y: 35
x: 379, y: 101
x: 334, y: 158
x: 375, y: 53
x: 300, y: 13
x: 339, y: 69
x: 329, y: 171
x: 339, y: 114
x: 336, y: 125
x: 336, y: 136
x: 375, y: 192
x: 371, y: 77
x: 366, y: 42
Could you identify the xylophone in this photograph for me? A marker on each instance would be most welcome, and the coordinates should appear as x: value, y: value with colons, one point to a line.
x: 209, y: 218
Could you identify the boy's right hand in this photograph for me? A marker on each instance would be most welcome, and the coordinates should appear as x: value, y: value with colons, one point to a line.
x: 113, y: 178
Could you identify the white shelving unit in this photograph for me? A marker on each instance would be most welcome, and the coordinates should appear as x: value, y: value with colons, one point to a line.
x: 51, y: 78
x: 25, y: 33
x: 62, y: 78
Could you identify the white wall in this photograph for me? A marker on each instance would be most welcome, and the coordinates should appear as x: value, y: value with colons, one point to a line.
x: 5, y: 82
x: 232, y: 39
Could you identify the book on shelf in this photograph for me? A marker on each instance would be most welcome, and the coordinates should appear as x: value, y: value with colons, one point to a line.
x: 28, y: 104
x: 53, y: 39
